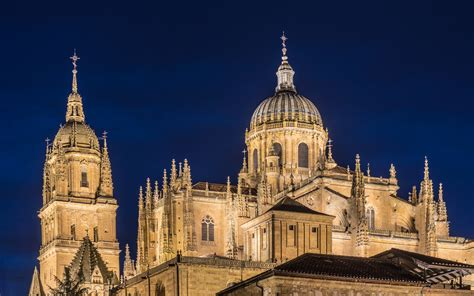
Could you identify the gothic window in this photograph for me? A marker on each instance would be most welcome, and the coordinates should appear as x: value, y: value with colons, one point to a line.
x: 159, y: 289
x: 73, y: 231
x: 278, y: 151
x: 96, y: 234
x: 207, y: 228
x: 84, y: 182
x: 303, y: 156
x: 370, y: 213
x: 255, y: 160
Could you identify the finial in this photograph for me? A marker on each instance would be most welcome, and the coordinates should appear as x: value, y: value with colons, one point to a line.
x: 393, y: 172
x: 244, y: 162
x: 427, y: 169
x: 283, y: 49
x: 330, y: 150
x: 357, y: 170
x: 104, y: 138
x: 440, y: 192
x: 74, y: 59
x: 47, y: 140
x: 368, y: 170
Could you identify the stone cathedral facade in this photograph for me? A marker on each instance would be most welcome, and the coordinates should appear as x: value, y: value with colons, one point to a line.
x: 290, y: 155
x: 290, y: 197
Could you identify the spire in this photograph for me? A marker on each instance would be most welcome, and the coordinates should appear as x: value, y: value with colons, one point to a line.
x: 148, y: 194
x: 174, y: 173
x: 74, y: 112
x: 106, y: 184
x: 368, y: 171
x: 156, y: 194
x: 427, y: 170
x: 128, y: 268
x: 165, y: 183
x: 228, y: 185
x: 74, y: 59
x: 244, y: 162
x: 414, y: 195
x: 140, y: 198
x: 285, y: 73
x: 442, y: 212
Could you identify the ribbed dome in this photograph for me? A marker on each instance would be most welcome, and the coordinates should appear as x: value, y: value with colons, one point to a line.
x: 77, y: 134
x: 286, y: 105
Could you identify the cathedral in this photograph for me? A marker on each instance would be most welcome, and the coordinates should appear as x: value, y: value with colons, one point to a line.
x: 291, y: 198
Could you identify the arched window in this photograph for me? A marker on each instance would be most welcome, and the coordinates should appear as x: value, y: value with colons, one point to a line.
x: 84, y: 182
x: 278, y: 151
x: 303, y: 156
x: 370, y: 213
x: 255, y: 160
x: 207, y: 228
x: 159, y: 289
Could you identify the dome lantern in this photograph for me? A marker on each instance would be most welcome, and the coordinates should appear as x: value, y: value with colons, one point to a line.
x: 285, y: 73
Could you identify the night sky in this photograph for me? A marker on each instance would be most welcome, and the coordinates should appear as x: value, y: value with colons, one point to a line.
x: 393, y: 82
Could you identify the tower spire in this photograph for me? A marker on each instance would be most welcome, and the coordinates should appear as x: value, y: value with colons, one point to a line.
x: 74, y: 60
x: 75, y: 112
x: 285, y: 73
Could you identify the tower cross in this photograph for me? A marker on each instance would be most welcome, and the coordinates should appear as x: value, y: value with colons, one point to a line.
x: 283, y: 39
x: 74, y: 59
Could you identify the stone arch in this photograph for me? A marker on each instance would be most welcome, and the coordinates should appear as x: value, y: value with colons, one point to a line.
x: 278, y: 151
x: 160, y: 289
x: 255, y: 160
x: 207, y: 229
x: 303, y: 155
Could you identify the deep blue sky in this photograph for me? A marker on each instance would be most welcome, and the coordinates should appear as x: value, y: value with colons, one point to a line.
x: 392, y: 80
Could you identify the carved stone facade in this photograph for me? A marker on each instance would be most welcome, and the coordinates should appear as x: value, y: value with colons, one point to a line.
x: 78, y: 196
x: 288, y: 158
x: 289, y: 155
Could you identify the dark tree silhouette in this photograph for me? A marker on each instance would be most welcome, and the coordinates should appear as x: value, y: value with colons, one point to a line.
x: 68, y: 286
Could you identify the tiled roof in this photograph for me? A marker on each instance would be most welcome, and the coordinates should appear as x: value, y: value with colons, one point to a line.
x: 223, y: 188
x: 423, y: 259
x: 347, y: 267
x: 288, y: 204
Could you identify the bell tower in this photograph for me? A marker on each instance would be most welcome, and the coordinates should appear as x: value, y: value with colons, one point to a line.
x: 78, y: 198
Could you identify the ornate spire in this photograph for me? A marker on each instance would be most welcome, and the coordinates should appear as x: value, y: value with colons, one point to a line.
x: 156, y: 195
x: 106, y: 184
x: 165, y: 183
x: 174, y: 173
x: 426, y: 175
x: 128, y: 268
x: 442, y: 212
x: 148, y: 194
x: 285, y: 73
x: 75, y: 112
x: 140, y: 198
x: 368, y: 172
x: 244, y: 162
x: 74, y: 60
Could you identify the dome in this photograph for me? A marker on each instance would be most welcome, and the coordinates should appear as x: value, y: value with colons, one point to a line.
x: 77, y: 134
x: 286, y: 105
